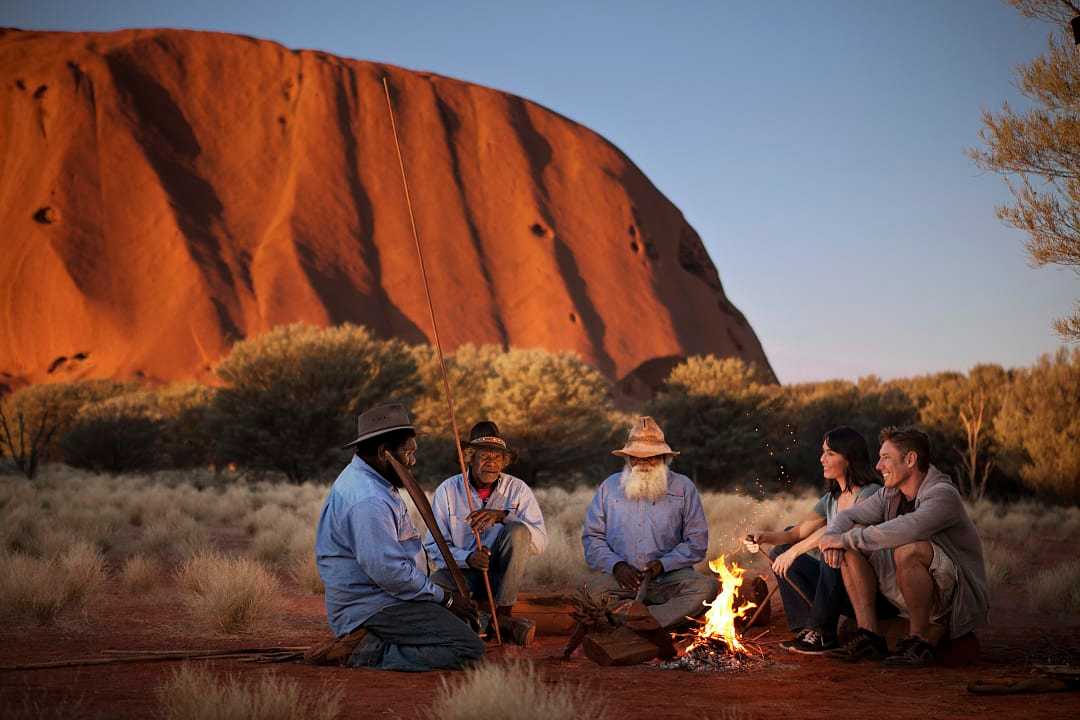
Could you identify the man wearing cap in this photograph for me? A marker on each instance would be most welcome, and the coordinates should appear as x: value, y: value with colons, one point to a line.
x: 382, y: 607
x: 646, y: 523
x: 508, y: 518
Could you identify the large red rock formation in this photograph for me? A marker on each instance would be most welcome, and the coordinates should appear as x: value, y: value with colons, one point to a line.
x: 164, y: 193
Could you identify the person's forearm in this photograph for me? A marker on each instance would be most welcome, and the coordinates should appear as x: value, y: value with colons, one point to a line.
x: 809, y: 543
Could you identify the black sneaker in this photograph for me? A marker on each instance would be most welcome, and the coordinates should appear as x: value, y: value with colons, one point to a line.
x: 865, y: 645
x: 811, y: 643
x: 911, y: 652
x: 799, y: 636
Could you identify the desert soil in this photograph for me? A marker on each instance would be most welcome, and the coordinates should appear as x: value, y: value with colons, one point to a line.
x: 789, y: 686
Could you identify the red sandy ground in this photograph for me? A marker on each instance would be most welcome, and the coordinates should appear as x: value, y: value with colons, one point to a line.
x: 790, y: 686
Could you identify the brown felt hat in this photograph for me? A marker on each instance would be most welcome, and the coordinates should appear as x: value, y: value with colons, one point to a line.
x: 645, y: 440
x: 380, y: 420
x: 485, y: 434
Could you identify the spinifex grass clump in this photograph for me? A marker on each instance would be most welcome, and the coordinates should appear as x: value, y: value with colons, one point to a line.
x: 40, y: 589
x: 230, y: 594
x: 195, y: 694
x: 512, y: 690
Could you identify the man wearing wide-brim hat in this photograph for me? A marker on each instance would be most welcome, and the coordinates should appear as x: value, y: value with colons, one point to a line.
x: 508, y: 518
x: 382, y: 606
x: 646, y: 523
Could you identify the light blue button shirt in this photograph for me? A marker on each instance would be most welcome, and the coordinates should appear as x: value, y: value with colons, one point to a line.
x: 672, y: 530
x: 451, y: 508
x: 367, y: 549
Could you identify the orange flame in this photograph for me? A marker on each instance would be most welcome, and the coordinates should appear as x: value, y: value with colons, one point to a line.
x: 720, y: 618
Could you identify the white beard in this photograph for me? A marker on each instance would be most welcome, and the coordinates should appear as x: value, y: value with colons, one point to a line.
x: 647, y: 484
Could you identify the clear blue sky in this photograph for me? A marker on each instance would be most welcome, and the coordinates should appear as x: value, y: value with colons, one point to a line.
x: 817, y: 147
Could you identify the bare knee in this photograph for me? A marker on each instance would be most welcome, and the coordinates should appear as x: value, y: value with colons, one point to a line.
x: 916, y: 555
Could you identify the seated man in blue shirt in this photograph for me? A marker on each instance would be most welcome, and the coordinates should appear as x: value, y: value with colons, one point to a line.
x: 647, y: 523
x: 367, y: 549
x: 506, y: 515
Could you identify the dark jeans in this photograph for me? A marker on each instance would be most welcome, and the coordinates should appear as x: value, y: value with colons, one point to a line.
x: 509, y: 553
x: 824, y: 586
x: 415, y: 637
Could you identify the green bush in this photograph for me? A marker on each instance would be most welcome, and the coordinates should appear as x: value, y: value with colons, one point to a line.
x: 1040, y: 415
x: 290, y: 396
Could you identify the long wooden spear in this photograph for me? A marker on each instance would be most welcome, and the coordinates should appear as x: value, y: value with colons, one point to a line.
x: 439, y: 352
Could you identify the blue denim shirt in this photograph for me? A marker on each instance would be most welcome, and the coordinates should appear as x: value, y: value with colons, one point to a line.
x: 672, y: 530
x: 367, y: 549
x: 451, y: 508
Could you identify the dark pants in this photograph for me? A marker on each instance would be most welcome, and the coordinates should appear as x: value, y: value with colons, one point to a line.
x: 509, y: 553
x: 415, y: 637
x: 824, y: 587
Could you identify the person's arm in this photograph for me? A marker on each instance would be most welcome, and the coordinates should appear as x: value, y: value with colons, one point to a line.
x: 529, y: 514
x: 936, y: 512
x: 380, y: 555
x: 695, y: 542
x: 868, y: 511
x: 440, y: 508
x: 598, y: 553
x: 794, y: 534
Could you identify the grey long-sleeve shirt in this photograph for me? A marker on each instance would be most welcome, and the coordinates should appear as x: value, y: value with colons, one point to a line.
x: 940, y: 517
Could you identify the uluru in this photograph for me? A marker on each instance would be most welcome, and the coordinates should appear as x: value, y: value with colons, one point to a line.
x: 165, y: 193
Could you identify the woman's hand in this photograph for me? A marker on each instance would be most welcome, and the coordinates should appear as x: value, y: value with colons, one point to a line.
x: 782, y: 564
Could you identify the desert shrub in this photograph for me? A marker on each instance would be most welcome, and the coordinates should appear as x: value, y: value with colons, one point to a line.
x: 230, y: 594
x: 1041, y: 416
x: 33, y: 419
x: 195, y: 694
x: 723, y: 419
x: 305, y: 572
x: 1057, y: 589
x: 512, y: 690
x: 42, y: 588
x: 112, y: 441
x: 1003, y: 564
x: 291, y: 395
x: 140, y: 573
x: 555, y: 408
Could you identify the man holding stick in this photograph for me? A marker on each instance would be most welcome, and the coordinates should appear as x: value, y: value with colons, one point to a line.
x: 913, y: 542
x: 646, y: 524
x: 507, y: 517
x: 378, y: 599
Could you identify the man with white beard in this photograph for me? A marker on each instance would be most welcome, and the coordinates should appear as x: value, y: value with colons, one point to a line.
x: 647, y: 523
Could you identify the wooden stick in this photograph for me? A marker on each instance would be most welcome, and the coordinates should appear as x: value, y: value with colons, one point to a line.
x: 780, y: 577
x: 439, y: 352
x: 762, y: 606
x: 142, y: 658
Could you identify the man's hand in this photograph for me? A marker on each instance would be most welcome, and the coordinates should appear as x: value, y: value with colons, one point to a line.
x: 461, y: 605
x: 481, y: 520
x: 782, y: 564
x: 833, y: 557
x: 653, y: 569
x: 479, y: 559
x: 628, y: 576
x: 828, y: 541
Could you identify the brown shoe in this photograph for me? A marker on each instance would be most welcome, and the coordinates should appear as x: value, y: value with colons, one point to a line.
x: 521, y: 630
x: 336, y: 651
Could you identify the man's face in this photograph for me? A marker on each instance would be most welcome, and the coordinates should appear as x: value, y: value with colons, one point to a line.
x: 895, y: 466
x: 406, y: 453
x: 487, y: 464
x: 645, y: 463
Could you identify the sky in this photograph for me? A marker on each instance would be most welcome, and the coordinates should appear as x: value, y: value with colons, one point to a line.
x: 818, y: 148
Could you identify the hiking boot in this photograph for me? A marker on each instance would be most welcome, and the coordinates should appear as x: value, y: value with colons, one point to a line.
x: 911, y: 652
x: 521, y: 630
x: 865, y: 645
x: 336, y: 651
x: 809, y: 642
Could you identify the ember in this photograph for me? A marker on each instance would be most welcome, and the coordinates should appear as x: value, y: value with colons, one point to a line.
x: 716, y: 645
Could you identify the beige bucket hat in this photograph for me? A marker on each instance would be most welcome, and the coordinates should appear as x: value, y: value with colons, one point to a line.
x: 644, y: 440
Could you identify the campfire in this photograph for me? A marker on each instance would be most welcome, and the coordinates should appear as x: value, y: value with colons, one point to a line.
x: 716, y: 645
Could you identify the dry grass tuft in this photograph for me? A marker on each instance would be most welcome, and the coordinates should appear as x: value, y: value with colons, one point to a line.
x: 230, y: 594
x: 1057, y: 589
x: 195, y: 694
x: 141, y: 573
x: 41, y: 589
x: 305, y: 572
x: 512, y: 690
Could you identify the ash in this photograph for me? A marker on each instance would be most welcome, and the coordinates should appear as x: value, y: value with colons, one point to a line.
x: 714, y: 657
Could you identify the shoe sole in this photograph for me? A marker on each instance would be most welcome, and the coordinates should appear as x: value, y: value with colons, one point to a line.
x: 800, y: 651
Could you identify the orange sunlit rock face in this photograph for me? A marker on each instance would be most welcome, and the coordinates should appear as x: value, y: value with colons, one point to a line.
x: 165, y: 193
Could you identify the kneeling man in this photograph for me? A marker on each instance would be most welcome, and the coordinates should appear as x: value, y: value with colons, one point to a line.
x: 913, y: 542
x: 646, y: 524
x: 507, y: 517
x: 379, y: 602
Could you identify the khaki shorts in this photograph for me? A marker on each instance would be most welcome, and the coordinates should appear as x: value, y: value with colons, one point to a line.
x: 942, y: 572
